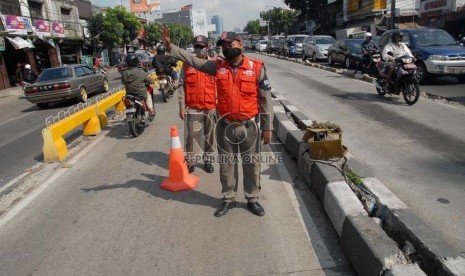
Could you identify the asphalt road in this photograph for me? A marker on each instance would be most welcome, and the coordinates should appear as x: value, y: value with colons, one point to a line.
x: 21, y: 124
x: 105, y: 214
x: 417, y: 151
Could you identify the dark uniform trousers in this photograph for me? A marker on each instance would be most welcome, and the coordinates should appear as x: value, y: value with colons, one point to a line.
x: 234, y: 139
x: 196, y: 121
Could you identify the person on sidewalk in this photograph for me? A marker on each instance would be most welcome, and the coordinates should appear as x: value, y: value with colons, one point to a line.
x: 135, y: 79
x: 197, y: 106
x: 243, y: 93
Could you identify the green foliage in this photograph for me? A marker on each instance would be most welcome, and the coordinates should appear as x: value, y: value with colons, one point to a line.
x: 114, y: 28
x: 253, y: 27
x: 353, y: 177
x: 153, y: 33
x: 316, y: 10
x: 181, y: 35
x: 282, y: 21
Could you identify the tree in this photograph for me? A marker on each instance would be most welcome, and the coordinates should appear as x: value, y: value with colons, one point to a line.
x: 114, y: 28
x: 180, y: 34
x: 253, y: 27
x: 153, y: 33
x: 316, y: 10
x: 282, y: 21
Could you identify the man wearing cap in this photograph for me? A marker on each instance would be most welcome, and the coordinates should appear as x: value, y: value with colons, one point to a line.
x: 243, y: 93
x: 197, y: 105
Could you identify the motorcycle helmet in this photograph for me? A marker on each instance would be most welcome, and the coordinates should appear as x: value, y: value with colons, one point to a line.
x: 160, y: 49
x: 396, y: 34
x: 132, y: 60
x: 368, y: 35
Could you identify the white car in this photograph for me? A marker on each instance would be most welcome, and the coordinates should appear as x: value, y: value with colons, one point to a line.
x: 316, y: 47
x: 261, y: 45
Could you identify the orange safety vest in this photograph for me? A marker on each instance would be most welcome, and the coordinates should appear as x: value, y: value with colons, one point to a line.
x: 200, y: 89
x: 238, y: 93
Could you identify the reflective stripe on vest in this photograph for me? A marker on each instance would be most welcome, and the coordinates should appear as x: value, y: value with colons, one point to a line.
x: 200, y: 89
x: 238, y: 94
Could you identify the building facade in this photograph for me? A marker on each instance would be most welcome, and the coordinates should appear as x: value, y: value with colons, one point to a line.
x: 218, y: 22
x: 42, y: 33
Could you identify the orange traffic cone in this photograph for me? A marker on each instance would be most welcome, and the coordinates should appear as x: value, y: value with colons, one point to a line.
x: 179, y: 178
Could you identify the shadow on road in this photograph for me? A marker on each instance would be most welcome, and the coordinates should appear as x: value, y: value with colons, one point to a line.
x: 372, y: 97
x: 149, y: 158
x: 152, y: 187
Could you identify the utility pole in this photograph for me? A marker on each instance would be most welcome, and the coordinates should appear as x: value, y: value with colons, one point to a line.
x: 393, y: 14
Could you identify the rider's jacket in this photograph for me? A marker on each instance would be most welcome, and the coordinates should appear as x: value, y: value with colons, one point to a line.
x: 163, y: 64
x: 200, y: 89
x: 238, y: 89
x: 135, y: 79
x: 397, y: 50
x: 369, y: 45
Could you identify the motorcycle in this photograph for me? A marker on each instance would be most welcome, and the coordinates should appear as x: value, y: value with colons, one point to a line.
x: 166, y: 86
x: 136, y: 114
x: 369, y: 66
x: 405, y: 80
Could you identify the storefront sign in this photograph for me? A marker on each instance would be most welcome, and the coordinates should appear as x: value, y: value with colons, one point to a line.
x: 43, y: 27
x: 14, y: 24
x: 2, y: 44
x: 57, y: 29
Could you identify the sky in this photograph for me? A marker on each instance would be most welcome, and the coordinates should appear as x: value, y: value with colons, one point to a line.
x: 235, y: 13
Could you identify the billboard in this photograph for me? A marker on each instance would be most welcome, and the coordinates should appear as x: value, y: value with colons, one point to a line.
x: 142, y: 6
x: 14, y: 24
x: 57, y: 29
x: 199, y: 22
x: 43, y: 27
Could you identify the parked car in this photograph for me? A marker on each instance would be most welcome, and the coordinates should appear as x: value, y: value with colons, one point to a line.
x: 293, y: 45
x: 346, y: 51
x: 144, y: 57
x: 317, y: 46
x: 65, y: 82
x: 437, y: 53
x: 280, y: 46
x: 261, y: 46
x: 273, y: 44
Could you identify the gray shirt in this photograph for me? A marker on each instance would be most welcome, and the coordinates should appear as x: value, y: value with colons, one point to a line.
x: 210, y: 67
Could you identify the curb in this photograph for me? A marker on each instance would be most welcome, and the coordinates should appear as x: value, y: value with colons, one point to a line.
x: 365, y: 241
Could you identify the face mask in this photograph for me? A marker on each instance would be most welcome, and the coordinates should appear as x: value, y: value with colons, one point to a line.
x: 231, y: 53
x: 200, y: 52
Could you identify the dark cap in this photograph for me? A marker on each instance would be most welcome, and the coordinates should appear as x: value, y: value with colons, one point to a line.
x: 228, y: 37
x: 201, y: 40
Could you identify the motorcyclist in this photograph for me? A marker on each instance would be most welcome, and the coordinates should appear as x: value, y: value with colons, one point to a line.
x: 367, y: 46
x: 394, y: 49
x: 28, y: 75
x: 164, y: 64
x: 135, y: 80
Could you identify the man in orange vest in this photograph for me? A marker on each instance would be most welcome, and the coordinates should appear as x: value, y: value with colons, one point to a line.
x: 197, y: 105
x: 243, y: 93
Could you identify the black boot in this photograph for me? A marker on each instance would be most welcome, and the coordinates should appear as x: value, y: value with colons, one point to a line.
x: 224, y: 208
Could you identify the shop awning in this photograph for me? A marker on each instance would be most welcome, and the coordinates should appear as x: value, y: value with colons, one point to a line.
x: 20, y: 43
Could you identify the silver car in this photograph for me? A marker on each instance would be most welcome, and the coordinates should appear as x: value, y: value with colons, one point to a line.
x: 65, y: 82
x: 316, y: 47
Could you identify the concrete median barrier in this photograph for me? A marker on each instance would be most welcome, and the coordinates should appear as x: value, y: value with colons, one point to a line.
x: 114, y: 100
x: 54, y: 147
